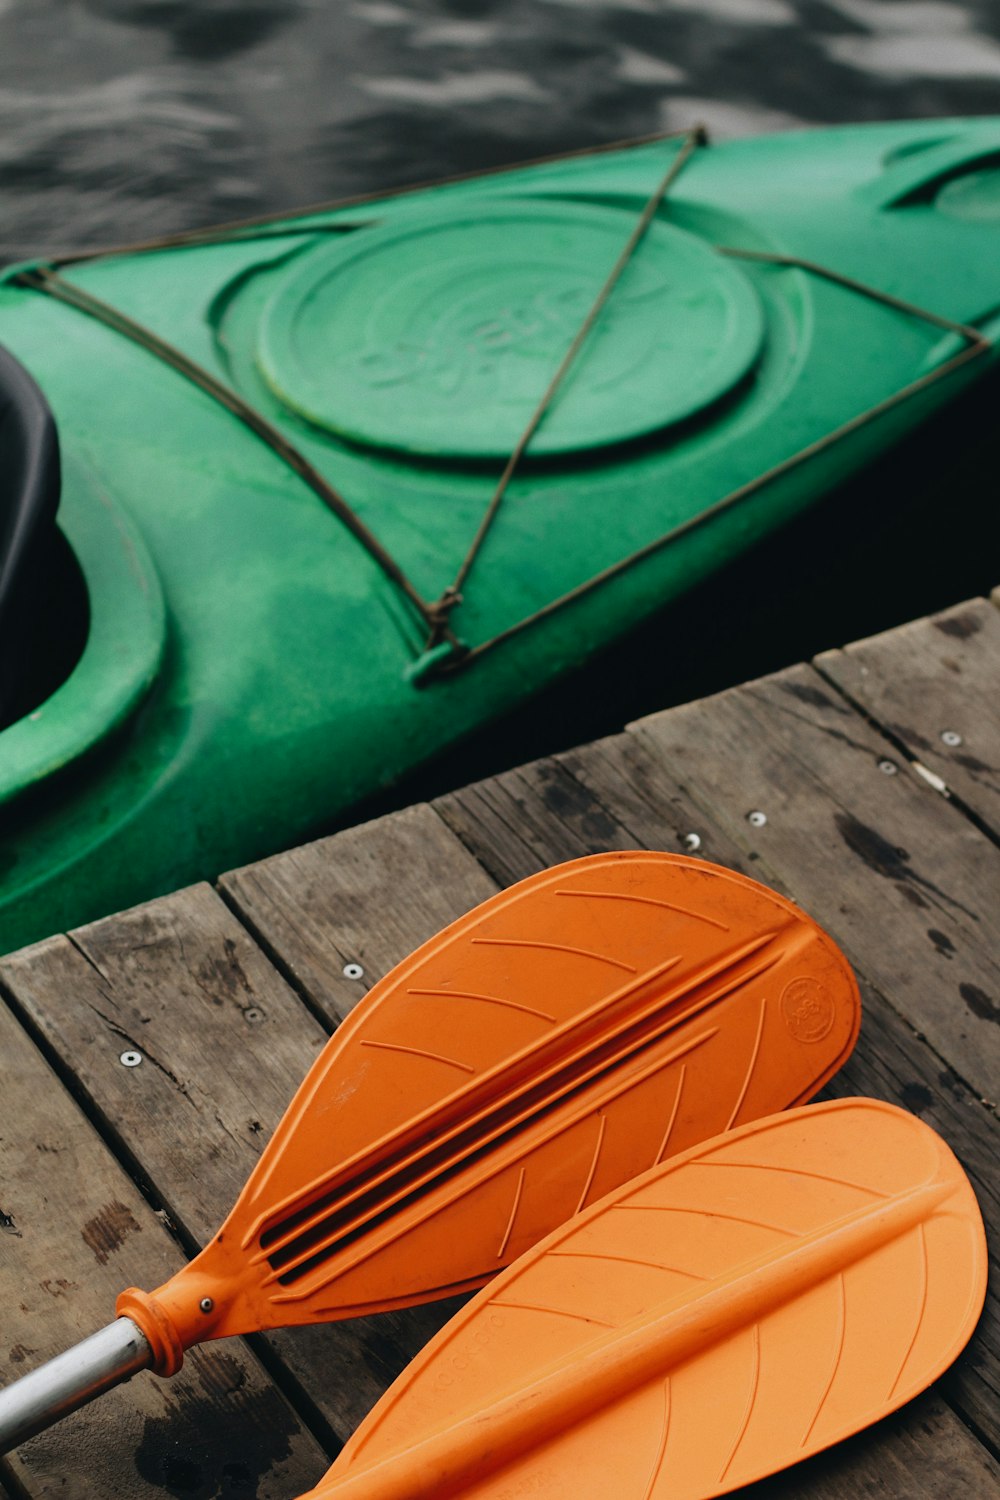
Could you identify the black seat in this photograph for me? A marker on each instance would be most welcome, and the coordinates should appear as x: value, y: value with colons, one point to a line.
x: 29, y: 495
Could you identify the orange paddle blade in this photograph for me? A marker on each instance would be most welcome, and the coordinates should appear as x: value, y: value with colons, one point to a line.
x: 738, y: 1309
x: 553, y: 1043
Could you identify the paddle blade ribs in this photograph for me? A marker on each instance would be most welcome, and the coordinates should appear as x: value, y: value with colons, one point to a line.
x: 731, y: 1313
x: 555, y: 1042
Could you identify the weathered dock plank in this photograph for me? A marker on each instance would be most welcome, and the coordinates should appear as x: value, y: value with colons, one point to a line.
x: 365, y: 898
x: 596, y: 798
x: 934, y: 686
x: 75, y: 1231
x: 230, y: 994
x: 225, y: 1043
x: 838, y: 1477
x: 904, y: 882
x: 600, y: 786
x: 921, y: 1451
x: 526, y: 819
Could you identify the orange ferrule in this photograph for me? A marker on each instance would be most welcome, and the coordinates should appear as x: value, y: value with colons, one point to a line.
x: 156, y: 1327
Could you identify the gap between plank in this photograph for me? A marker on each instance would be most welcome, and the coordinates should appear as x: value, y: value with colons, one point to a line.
x: 273, y: 955
x: 13, y: 1486
x: 498, y: 876
x: 900, y: 746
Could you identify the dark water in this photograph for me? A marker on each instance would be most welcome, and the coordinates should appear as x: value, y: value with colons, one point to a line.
x: 121, y: 119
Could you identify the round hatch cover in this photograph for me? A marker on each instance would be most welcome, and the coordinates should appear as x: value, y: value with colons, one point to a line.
x: 439, y: 336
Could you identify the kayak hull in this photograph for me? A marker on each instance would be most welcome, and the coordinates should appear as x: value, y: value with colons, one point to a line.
x: 252, y: 671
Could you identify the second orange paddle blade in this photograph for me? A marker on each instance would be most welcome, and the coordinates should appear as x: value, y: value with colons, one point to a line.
x: 732, y: 1312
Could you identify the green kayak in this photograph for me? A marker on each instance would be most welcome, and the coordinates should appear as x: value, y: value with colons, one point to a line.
x: 341, y: 487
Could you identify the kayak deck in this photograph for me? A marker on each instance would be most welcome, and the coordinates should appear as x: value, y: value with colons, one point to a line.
x: 345, y: 496
x: 225, y: 995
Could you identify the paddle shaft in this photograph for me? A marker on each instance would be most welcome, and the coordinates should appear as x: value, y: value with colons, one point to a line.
x: 97, y: 1364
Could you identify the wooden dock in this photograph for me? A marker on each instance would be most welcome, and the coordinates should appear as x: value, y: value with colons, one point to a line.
x: 865, y: 784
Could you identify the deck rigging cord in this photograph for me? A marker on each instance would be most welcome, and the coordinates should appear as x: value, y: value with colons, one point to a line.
x: 444, y: 652
x: 452, y: 596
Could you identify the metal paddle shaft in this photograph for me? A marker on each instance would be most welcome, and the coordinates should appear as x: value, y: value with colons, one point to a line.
x: 550, y: 1045
x: 97, y: 1364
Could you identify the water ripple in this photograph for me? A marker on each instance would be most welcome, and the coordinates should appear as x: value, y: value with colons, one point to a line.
x: 914, y: 39
x: 458, y: 88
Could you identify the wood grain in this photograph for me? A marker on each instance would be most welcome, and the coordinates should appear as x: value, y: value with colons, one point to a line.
x: 903, y: 881
x: 922, y: 1451
x: 934, y: 677
x: 225, y: 1043
x: 529, y: 818
x: 367, y: 896
x: 74, y: 1232
x: 637, y: 789
x: 608, y: 795
x: 229, y: 996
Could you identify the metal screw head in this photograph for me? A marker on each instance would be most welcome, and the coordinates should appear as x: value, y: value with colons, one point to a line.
x: 888, y: 767
x: 692, y: 841
x: 353, y: 971
x: 130, y: 1059
x: 253, y: 1013
x: 951, y: 737
x: 756, y: 819
x: 206, y: 1304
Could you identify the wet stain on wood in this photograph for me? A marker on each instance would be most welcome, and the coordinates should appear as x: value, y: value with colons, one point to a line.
x: 223, y: 977
x: 916, y: 1097
x: 974, y: 766
x: 219, y: 1375
x: 959, y: 627
x: 814, y: 696
x: 891, y: 862
x: 981, y: 1004
x: 569, y: 802
x: 942, y: 942
x: 58, y: 1286
x: 7, y: 1225
x: 223, y: 1441
x: 878, y: 854
x: 19, y: 1353
x: 107, y: 1231
x: 912, y: 738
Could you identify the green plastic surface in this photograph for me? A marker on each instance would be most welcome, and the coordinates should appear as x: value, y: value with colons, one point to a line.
x: 126, y: 639
x: 440, y: 336
x: 251, y: 673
